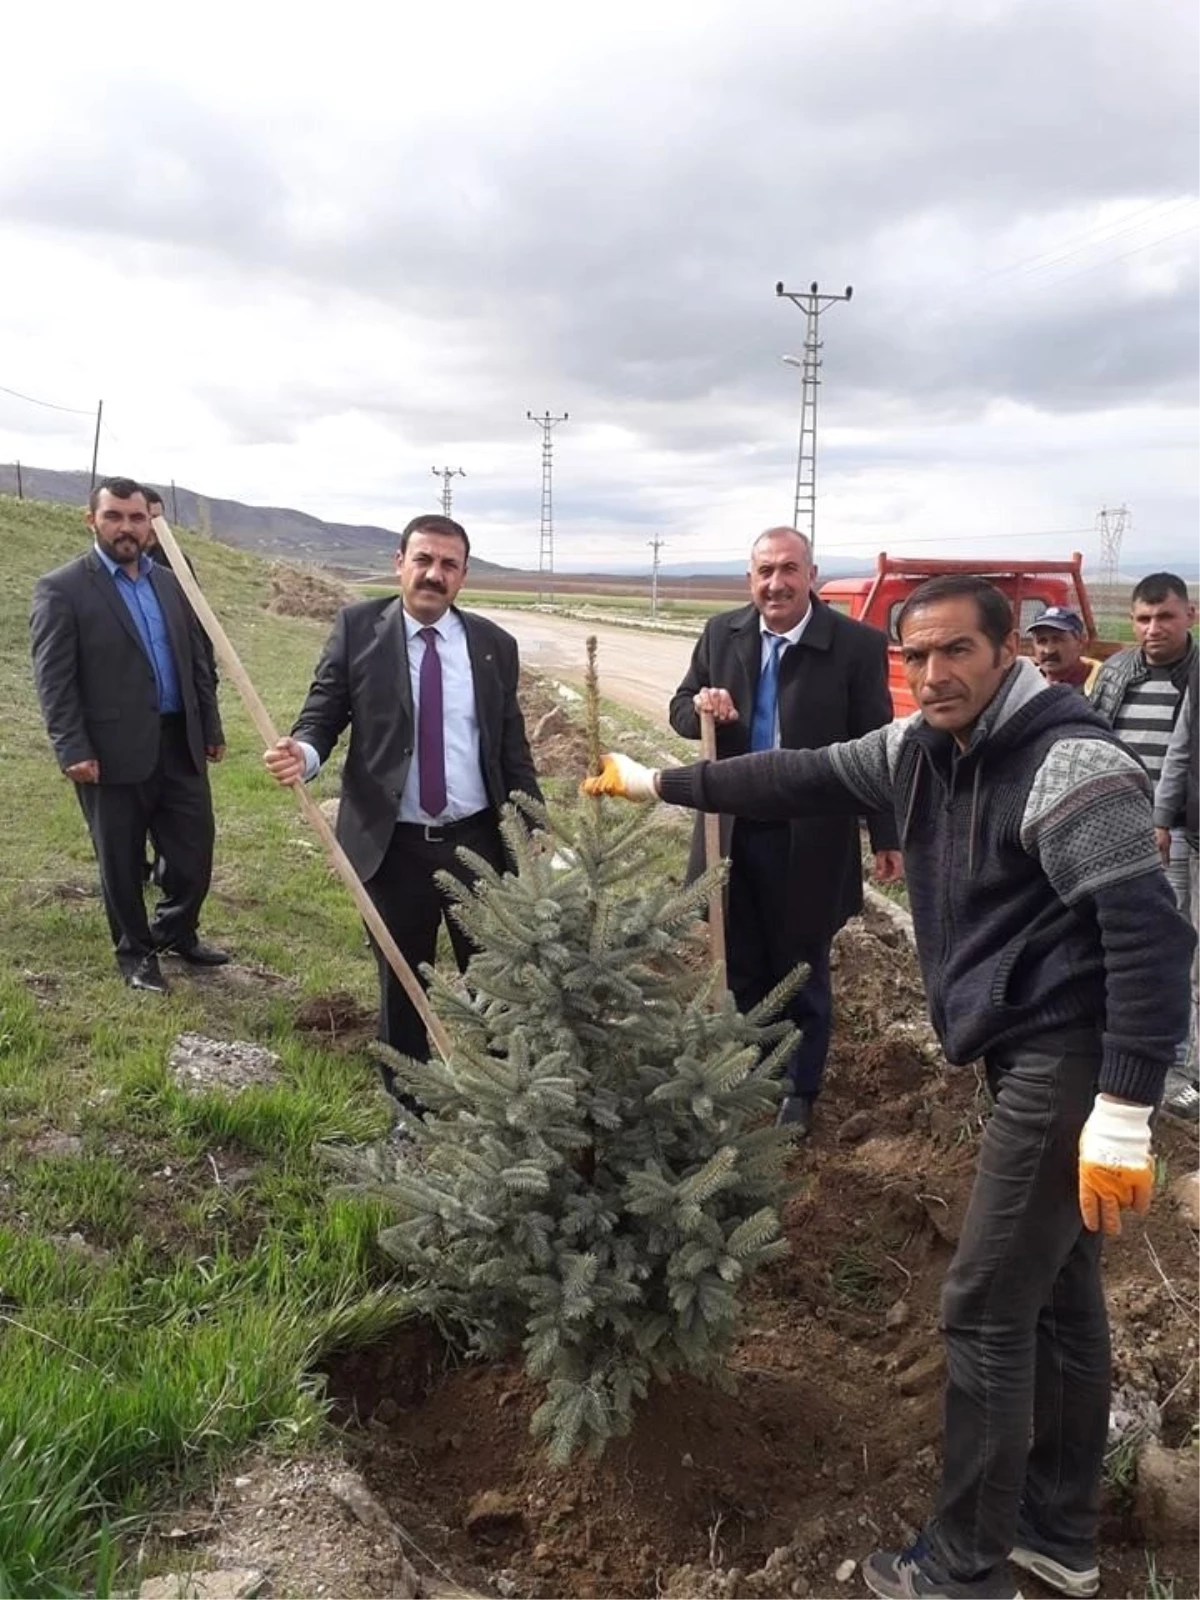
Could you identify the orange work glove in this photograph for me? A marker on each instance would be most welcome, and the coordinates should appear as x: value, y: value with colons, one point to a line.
x: 621, y: 776
x: 1115, y: 1170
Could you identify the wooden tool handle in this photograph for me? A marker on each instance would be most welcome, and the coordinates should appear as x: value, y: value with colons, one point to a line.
x: 712, y: 853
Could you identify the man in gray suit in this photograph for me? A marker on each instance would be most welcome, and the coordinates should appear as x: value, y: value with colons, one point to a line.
x: 128, y: 701
x: 437, y: 745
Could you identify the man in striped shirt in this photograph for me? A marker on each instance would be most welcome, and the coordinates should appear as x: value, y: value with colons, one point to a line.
x: 1140, y: 691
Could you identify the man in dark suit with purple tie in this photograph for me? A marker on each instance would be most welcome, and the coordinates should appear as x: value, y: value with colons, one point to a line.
x: 437, y: 745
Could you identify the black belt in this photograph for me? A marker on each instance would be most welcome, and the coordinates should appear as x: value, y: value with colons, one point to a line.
x: 436, y: 832
x: 172, y: 718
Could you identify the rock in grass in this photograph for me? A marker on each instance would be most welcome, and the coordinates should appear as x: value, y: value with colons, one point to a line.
x: 199, y: 1064
x: 855, y: 1128
x: 1166, y: 1495
x: 494, y: 1517
x: 1185, y: 1192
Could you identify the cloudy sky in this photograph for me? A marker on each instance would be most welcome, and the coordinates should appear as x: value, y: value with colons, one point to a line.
x: 305, y: 261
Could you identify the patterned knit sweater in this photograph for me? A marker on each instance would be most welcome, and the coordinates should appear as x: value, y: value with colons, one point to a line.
x: 1037, y: 896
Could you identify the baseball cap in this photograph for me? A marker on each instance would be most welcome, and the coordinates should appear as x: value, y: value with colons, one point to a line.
x: 1060, y: 617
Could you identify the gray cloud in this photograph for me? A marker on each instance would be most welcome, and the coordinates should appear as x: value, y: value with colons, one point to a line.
x: 607, y: 239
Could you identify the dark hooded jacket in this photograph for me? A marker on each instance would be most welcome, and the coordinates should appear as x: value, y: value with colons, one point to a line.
x: 1037, y: 897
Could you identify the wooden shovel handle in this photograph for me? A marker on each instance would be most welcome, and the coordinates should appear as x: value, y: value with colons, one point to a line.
x: 712, y: 853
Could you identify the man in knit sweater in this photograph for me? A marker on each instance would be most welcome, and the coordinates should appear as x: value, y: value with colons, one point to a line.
x: 1177, y: 805
x: 1051, y: 946
x: 1140, y: 691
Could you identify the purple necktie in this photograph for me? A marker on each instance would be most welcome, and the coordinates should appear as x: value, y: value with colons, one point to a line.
x: 431, y: 748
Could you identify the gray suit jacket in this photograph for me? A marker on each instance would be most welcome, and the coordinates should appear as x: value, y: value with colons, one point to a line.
x: 832, y: 686
x: 362, y: 682
x: 95, y: 680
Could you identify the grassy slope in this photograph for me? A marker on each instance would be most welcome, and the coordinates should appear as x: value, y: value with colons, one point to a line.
x: 189, y: 1328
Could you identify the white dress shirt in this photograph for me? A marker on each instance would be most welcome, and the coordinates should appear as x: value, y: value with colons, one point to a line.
x: 466, y: 792
x: 792, y: 636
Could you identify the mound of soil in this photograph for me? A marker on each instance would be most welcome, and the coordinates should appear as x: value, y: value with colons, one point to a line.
x: 337, y: 1019
x: 558, y: 743
x: 829, y: 1445
x: 296, y: 592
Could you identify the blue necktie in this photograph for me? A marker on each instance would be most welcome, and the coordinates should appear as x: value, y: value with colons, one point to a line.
x: 766, y: 699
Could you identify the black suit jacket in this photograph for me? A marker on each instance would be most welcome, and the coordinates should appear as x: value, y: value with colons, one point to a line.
x: 362, y: 681
x: 96, y: 681
x: 832, y: 686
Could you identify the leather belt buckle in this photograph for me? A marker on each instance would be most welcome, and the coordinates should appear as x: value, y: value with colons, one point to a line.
x: 434, y: 832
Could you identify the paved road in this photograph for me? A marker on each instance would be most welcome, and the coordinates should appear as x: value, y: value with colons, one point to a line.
x: 638, y: 669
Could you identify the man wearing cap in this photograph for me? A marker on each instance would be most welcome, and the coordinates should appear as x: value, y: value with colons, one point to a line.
x: 1059, y: 636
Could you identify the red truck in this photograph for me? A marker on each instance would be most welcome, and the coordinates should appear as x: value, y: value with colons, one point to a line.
x: 1031, y: 586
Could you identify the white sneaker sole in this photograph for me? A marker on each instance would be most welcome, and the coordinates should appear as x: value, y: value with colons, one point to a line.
x: 1066, y: 1580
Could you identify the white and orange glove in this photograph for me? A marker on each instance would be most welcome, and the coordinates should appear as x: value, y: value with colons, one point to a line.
x: 1116, y: 1171
x: 623, y: 777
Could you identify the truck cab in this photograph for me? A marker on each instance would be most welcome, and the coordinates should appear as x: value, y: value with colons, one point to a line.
x: 1030, y: 586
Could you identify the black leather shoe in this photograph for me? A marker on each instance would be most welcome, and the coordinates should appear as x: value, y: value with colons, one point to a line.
x: 796, y: 1114
x: 147, y: 975
x: 197, y: 954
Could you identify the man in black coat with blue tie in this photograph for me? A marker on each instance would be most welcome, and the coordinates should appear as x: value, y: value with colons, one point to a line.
x: 787, y: 670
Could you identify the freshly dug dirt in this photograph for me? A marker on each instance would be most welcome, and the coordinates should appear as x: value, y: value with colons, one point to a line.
x: 830, y: 1444
x: 337, y: 1019
x: 296, y: 592
x: 557, y: 741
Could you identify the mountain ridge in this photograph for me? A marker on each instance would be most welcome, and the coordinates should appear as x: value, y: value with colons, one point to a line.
x: 279, y: 532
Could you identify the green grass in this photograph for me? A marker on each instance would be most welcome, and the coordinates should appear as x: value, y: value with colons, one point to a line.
x: 186, y: 1317
x: 1157, y: 1588
x: 857, y: 1278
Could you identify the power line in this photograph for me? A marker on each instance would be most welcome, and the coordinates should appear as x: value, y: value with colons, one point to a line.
x: 547, y: 424
x: 73, y: 411
x: 1112, y: 261
x: 1056, y: 254
x: 814, y: 305
x: 1100, y: 235
x: 1040, y: 266
x: 656, y: 545
x: 445, y: 474
x: 1111, y: 525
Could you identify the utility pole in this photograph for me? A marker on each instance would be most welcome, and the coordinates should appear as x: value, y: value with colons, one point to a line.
x: 813, y: 304
x: 20, y: 489
x: 1111, y: 526
x: 174, y: 506
x: 445, y: 474
x: 547, y: 424
x: 96, y: 442
x: 656, y: 545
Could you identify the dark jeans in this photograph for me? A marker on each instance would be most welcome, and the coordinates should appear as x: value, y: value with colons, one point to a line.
x: 173, y: 808
x: 1025, y: 1325
x: 413, y: 907
x: 762, y: 948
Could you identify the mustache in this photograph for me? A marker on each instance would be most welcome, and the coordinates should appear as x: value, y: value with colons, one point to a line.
x: 429, y: 583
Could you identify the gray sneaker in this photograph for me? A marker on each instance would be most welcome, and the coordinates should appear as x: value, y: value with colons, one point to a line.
x: 1080, y: 1582
x: 914, y: 1574
x: 1181, y: 1098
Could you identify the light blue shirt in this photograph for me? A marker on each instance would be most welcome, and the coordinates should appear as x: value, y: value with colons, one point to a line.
x: 791, y: 637
x: 466, y: 792
x: 142, y: 604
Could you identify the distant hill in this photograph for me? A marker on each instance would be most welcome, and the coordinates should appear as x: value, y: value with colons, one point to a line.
x: 267, y: 530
